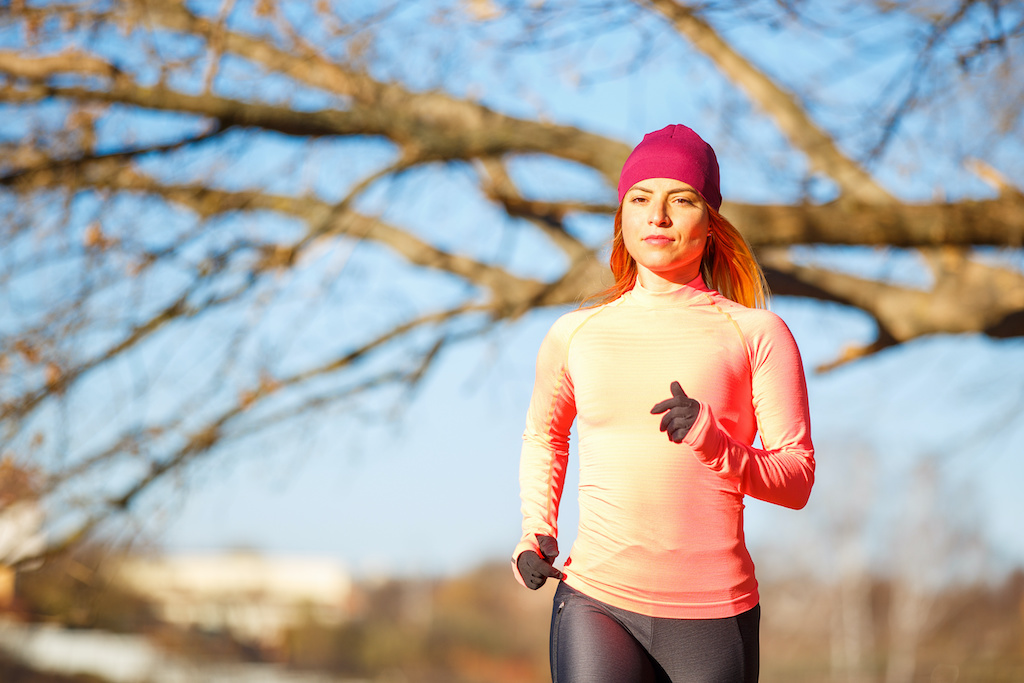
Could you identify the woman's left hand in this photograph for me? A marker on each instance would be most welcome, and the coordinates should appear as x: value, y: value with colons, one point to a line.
x: 682, y: 413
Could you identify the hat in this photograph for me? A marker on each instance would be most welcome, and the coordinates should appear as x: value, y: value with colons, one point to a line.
x: 678, y: 153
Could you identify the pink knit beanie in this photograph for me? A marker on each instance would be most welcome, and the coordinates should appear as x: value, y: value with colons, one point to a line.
x: 678, y: 153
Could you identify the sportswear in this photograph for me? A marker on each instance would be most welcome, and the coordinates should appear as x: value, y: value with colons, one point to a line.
x: 661, y: 523
x: 593, y: 642
x: 678, y: 153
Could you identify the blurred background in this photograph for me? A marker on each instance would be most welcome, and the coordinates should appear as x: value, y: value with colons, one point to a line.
x: 273, y: 275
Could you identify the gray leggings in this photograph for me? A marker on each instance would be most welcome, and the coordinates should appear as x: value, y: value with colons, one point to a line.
x: 593, y: 642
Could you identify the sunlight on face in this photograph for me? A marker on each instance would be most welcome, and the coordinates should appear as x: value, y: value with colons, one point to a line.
x: 665, y: 227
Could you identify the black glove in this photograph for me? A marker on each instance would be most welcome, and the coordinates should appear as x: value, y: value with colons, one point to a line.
x: 534, y: 567
x: 682, y: 413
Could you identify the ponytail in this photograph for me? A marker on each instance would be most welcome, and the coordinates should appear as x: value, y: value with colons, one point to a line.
x: 728, y: 265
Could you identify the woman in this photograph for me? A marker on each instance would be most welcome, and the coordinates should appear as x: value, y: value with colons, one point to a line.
x: 669, y: 380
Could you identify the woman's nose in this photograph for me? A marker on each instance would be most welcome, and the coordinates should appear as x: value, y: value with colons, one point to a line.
x: 658, y: 215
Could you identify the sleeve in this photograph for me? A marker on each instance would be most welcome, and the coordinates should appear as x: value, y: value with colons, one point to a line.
x: 782, y: 472
x: 545, y: 452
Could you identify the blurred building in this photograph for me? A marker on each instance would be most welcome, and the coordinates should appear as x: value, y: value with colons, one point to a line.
x: 21, y: 523
x: 254, y: 598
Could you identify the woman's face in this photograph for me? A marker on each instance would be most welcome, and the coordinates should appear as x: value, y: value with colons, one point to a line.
x: 664, y: 228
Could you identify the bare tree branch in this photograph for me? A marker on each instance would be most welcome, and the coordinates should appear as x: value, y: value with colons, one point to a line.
x: 997, y: 222
x: 508, y: 290
x: 968, y: 296
x: 90, y: 284
x: 781, y: 106
x: 426, y: 125
x: 201, y: 440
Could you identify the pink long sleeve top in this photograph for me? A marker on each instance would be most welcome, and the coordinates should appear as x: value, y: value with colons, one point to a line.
x: 661, y: 524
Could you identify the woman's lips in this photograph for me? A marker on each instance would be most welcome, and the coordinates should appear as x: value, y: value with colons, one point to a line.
x: 658, y: 240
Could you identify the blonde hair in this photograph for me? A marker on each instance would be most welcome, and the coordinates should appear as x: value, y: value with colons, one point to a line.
x: 728, y: 265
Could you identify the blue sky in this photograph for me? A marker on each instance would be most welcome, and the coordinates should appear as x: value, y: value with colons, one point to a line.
x: 437, y: 491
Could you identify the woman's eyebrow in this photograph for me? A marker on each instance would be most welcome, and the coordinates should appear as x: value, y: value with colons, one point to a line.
x: 673, y: 191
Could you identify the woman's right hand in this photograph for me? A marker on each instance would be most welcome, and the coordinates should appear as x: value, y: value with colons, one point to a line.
x: 534, y: 567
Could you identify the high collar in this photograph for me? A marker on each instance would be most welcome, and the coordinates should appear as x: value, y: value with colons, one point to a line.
x: 692, y: 293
